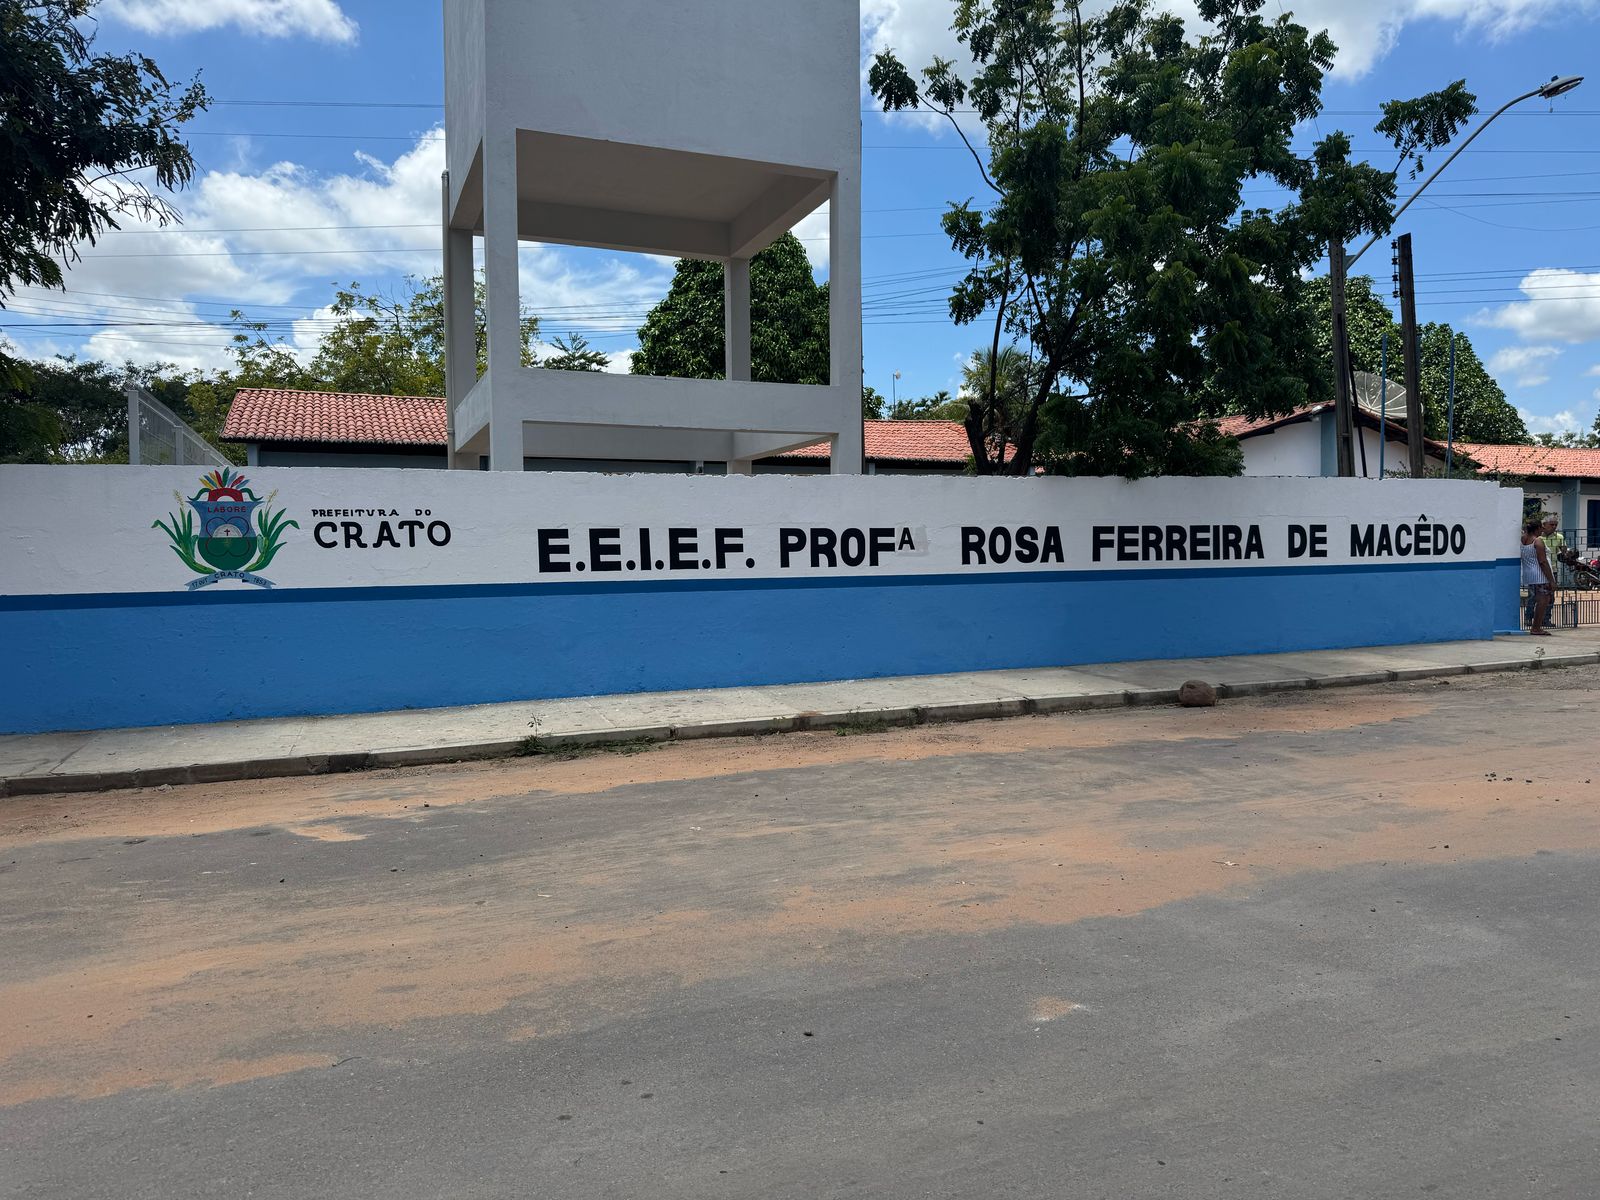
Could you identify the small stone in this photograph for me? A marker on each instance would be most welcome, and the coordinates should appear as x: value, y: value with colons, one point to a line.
x: 1197, y: 693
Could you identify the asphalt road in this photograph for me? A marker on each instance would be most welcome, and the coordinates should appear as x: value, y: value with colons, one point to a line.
x: 1328, y: 945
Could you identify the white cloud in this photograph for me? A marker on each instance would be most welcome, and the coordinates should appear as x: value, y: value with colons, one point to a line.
x: 262, y: 240
x: 1562, y: 305
x: 322, y: 20
x: 1525, y: 364
x: 1593, y: 371
x: 813, y: 232
x: 1365, y: 30
x: 1562, y: 422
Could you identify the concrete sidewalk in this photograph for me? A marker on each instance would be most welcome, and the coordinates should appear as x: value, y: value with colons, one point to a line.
x: 171, y: 754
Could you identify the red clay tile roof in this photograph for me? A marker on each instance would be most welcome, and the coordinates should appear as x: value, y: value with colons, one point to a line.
x: 274, y: 415
x: 1556, y: 461
x: 271, y: 415
x: 1247, y: 426
x: 904, y: 441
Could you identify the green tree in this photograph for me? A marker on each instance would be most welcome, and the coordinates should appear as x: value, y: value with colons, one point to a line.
x: 575, y: 354
x: 1482, y: 412
x: 1116, y: 247
x: 871, y: 404
x: 941, y: 406
x: 67, y: 411
x: 383, y: 344
x: 683, y: 334
x: 1571, y: 439
x: 394, y: 344
x: 85, y: 138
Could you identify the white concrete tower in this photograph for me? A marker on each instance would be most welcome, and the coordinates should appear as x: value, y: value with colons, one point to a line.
x: 692, y: 128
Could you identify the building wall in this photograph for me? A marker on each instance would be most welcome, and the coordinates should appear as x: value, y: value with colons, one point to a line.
x: 1305, y: 448
x: 1290, y: 450
x: 330, y: 456
x: 396, y: 589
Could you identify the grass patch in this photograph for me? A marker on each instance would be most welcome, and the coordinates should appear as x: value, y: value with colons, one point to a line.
x: 533, y: 748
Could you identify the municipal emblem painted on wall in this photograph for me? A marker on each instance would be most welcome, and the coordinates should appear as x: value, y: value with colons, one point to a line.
x: 224, y: 531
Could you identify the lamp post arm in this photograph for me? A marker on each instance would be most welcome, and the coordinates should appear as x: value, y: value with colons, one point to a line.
x: 1509, y: 103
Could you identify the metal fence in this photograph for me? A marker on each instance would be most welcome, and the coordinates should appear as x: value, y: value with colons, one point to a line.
x: 157, y: 436
x: 1573, y: 607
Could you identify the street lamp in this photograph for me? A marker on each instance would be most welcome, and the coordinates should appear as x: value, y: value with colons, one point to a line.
x: 1559, y: 85
x: 894, y: 392
x: 1339, y: 263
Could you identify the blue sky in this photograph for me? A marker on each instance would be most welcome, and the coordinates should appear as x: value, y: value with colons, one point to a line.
x: 320, y: 163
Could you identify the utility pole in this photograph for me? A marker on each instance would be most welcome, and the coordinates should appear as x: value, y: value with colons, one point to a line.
x: 1412, y: 351
x: 1450, y: 413
x: 1343, y: 418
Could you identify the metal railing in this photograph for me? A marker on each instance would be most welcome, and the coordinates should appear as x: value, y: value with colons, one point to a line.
x: 157, y: 436
x: 1573, y: 608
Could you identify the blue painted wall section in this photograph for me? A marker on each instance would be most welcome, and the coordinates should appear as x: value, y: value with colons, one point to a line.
x: 98, y: 661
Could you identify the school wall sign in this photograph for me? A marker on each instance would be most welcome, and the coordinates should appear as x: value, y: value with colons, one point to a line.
x: 123, y: 588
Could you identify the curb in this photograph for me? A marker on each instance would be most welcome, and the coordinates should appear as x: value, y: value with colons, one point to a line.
x: 866, y: 719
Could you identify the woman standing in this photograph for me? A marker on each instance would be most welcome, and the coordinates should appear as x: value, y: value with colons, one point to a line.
x: 1537, y: 577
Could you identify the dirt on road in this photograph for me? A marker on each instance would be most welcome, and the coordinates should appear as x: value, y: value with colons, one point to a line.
x: 203, y: 935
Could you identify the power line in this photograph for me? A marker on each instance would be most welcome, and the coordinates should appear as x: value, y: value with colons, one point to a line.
x: 438, y: 106
x: 434, y: 249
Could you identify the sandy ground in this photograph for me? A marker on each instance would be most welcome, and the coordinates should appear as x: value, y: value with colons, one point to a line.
x: 197, y: 937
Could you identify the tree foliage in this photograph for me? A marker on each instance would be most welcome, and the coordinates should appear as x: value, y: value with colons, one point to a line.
x: 1116, y: 246
x: 941, y: 406
x: 573, y: 353
x: 384, y: 344
x: 83, y: 136
x: 1482, y: 412
x: 71, y: 411
x: 683, y: 335
x: 1571, y: 439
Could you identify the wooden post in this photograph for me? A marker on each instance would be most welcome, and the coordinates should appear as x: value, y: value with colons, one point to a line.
x: 1343, y: 416
x: 1413, y: 352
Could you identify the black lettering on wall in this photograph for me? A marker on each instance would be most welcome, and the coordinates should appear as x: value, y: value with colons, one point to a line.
x: 1104, y: 539
x: 683, y: 549
x: 789, y: 541
x: 553, y: 551
x: 605, y: 549
x: 972, y: 553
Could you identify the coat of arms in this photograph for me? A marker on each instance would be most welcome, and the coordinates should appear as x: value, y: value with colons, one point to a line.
x: 218, y: 533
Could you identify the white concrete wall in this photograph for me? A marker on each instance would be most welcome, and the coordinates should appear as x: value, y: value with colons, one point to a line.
x: 71, y: 530
x: 768, y: 80
x: 1290, y: 450
x: 1297, y: 450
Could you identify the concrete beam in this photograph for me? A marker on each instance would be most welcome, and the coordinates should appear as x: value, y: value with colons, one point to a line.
x: 639, y: 233
x: 645, y: 401
x: 776, y: 211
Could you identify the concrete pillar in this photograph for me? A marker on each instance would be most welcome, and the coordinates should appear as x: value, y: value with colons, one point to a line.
x: 460, y: 332
x: 503, y: 293
x: 736, y: 318
x: 1571, y: 508
x: 844, y: 319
